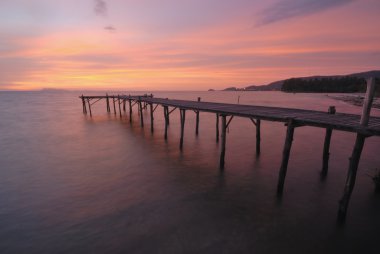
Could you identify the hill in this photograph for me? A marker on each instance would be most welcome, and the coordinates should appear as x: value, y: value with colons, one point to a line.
x: 277, y: 85
x: 353, y: 83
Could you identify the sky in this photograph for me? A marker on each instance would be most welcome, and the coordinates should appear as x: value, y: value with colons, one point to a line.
x: 182, y: 44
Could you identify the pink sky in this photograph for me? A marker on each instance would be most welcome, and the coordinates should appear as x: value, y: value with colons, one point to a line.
x: 182, y: 45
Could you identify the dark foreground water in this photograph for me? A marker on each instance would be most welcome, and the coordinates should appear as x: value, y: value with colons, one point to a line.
x: 74, y: 184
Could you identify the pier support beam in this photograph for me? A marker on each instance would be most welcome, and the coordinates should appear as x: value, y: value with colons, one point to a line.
x: 257, y: 123
x: 166, y: 115
x: 130, y: 110
x: 89, y: 106
x: 151, y: 118
x: 118, y: 102
x: 183, y: 115
x: 124, y: 105
x: 326, y: 147
x: 356, y: 153
x: 84, y: 105
x: 197, y: 119
x: 223, y: 147
x: 285, y: 156
x: 217, y: 128
x: 114, y: 106
x: 108, y: 103
x: 351, y: 177
x: 141, y: 113
x: 258, y: 136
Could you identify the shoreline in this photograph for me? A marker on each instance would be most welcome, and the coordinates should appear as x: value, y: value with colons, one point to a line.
x: 355, y: 99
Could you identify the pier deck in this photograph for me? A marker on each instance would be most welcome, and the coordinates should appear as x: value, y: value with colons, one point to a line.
x: 364, y: 126
x: 338, y: 121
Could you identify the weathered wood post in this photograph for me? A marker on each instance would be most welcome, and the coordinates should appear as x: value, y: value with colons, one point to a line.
x: 141, y: 113
x: 166, y: 115
x: 258, y: 136
x: 285, y: 156
x: 326, y: 146
x: 182, y: 114
x: 84, y: 105
x: 114, y: 106
x: 118, y: 102
x: 89, y: 106
x: 217, y: 128
x: 124, y: 104
x: 151, y: 118
x: 356, y: 153
x: 223, y: 147
x: 197, y: 119
x: 130, y: 109
x: 107, y: 103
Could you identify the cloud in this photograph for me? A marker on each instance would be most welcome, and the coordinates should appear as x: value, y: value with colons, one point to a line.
x: 100, y: 7
x: 110, y: 29
x: 293, y: 8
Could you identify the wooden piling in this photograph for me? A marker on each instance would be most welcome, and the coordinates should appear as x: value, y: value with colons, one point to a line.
x: 107, y: 103
x: 89, y: 106
x: 141, y: 113
x: 326, y: 147
x: 285, y: 156
x: 258, y: 136
x: 223, y: 147
x: 351, y: 177
x: 84, y: 105
x: 151, y: 118
x: 217, y: 128
x: 130, y: 110
x: 118, y: 102
x: 356, y: 153
x: 114, y: 106
x: 124, y: 105
x: 166, y: 115
x: 343, y: 122
x: 197, y: 119
x: 183, y: 115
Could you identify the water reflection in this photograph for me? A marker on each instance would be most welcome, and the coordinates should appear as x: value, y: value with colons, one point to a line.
x: 71, y: 183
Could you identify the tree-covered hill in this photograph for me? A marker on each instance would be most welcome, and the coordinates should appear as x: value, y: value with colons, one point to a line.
x: 342, y: 84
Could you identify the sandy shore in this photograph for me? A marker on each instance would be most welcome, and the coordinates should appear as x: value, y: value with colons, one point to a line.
x: 355, y: 99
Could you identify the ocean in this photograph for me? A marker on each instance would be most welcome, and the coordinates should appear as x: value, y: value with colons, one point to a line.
x: 71, y: 183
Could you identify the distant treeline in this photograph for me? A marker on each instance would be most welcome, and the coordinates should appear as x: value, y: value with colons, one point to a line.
x: 327, y: 85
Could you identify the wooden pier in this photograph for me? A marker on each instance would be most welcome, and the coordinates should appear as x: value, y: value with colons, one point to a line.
x: 364, y: 126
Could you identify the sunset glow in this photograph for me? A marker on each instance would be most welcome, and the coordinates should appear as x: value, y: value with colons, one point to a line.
x: 182, y: 45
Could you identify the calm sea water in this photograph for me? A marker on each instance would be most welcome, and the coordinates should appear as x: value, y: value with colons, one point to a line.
x: 74, y: 184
